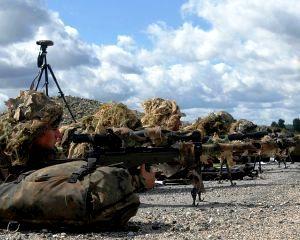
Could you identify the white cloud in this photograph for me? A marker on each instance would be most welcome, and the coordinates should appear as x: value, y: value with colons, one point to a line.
x: 246, y: 63
x: 19, y: 21
x: 3, y: 98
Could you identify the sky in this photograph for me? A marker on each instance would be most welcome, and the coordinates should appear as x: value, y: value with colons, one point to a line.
x: 238, y: 56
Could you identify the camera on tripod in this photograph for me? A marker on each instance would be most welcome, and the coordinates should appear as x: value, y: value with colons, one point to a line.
x: 44, y: 68
x: 45, y: 43
x: 42, y: 54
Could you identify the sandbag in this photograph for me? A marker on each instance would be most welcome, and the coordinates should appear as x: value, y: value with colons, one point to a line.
x: 103, y: 198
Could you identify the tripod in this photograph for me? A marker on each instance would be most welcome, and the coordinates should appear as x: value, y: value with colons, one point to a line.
x: 44, y: 67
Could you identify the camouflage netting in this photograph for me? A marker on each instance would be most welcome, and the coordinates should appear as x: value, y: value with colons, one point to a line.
x: 28, y: 116
x: 242, y: 126
x: 218, y: 122
x: 163, y: 113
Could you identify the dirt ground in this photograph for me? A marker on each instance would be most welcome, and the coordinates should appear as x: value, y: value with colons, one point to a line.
x: 264, y: 208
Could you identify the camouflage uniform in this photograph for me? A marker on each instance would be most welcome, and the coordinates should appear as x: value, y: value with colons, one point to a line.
x: 100, y: 197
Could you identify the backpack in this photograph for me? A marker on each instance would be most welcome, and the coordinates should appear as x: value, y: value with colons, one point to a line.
x: 60, y: 195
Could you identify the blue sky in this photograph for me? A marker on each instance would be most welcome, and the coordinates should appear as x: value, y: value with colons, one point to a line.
x: 102, y: 21
x: 238, y: 56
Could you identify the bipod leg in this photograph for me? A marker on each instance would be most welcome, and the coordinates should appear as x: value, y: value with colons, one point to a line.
x: 290, y: 158
x: 201, y: 184
x: 220, y: 172
x: 194, y: 195
x: 199, y: 197
x: 61, y: 93
x: 259, y: 165
x: 198, y: 185
x: 229, y: 174
x: 278, y: 160
x: 254, y: 162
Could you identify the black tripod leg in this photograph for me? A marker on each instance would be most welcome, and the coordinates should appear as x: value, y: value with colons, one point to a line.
x: 40, y: 74
x: 33, y: 81
x: 60, y: 92
x: 46, y: 80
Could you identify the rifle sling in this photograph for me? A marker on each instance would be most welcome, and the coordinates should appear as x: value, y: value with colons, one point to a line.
x: 83, y: 170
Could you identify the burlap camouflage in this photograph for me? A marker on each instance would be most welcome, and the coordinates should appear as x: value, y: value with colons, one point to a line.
x: 163, y: 113
x: 115, y: 115
x: 218, y: 122
x: 28, y: 116
x: 242, y: 126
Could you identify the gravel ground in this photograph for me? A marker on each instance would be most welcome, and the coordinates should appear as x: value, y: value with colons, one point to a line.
x: 265, y: 208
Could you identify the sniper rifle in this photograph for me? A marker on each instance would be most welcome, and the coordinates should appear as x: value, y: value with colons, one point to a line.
x: 107, y: 150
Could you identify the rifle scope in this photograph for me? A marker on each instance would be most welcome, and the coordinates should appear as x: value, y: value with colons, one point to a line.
x: 106, y: 140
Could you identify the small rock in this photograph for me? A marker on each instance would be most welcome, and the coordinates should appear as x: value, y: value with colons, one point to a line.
x: 130, y: 234
x: 188, y: 214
